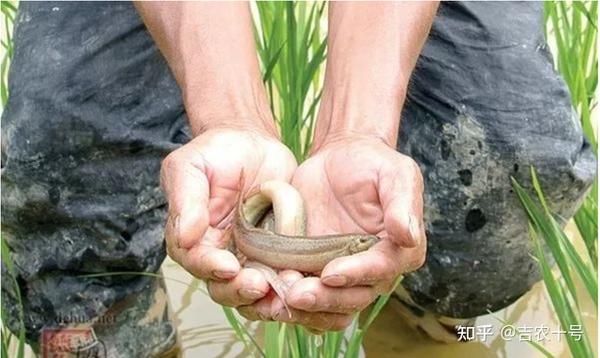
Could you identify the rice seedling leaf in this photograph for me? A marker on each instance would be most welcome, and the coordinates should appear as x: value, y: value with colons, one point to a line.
x: 586, y: 274
x: 558, y: 296
x: 579, y: 6
x: 537, y: 218
x: 332, y: 344
x: 281, y: 338
x: 271, y: 340
x: 316, y: 60
x: 241, y: 332
x: 301, y: 337
x: 9, y: 6
x: 271, y: 63
x: 293, y: 343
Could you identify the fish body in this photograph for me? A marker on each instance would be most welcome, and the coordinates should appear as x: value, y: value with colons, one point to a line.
x: 281, y: 242
x: 296, y: 252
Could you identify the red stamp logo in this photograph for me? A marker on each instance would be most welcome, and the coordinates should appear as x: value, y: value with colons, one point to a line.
x: 71, y: 342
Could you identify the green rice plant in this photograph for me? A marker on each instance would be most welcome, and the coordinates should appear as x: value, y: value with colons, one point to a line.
x: 359, y: 331
x: 572, y: 28
x: 561, y: 289
x: 9, y: 12
x: 292, y: 49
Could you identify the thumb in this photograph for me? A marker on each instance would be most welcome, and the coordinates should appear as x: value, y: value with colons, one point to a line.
x: 401, y: 196
x: 187, y: 190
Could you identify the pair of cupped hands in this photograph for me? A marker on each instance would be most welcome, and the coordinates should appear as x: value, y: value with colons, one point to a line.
x: 352, y: 183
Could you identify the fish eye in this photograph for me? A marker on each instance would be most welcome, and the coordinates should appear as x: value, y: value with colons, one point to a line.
x: 364, y: 240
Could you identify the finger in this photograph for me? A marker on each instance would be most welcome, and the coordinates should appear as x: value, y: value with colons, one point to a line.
x: 258, y: 311
x: 204, y: 260
x: 289, y: 277
x: 265, y: 308
x: 378, y: 266
x: 247, y: 287
x: 311, y: 295
x: 401, y: 196
x: 210, y: 263
x: 319, y: 321
x: 187, y: 190
x: 315, y: 322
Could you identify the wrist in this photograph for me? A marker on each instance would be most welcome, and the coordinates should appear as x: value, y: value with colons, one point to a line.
x: 238, y: 107
x: 237, y: 124
x: 355, y: 115
x: 345, y: 141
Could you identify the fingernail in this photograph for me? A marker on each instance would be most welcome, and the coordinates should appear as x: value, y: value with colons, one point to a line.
x: 251, y: 293
x: 224, y: 274
x: 304, y: 301
x: 335, y: 280
x: 414, y: 229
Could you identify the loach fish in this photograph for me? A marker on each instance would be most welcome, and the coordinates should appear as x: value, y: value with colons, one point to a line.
x: 286, y: 246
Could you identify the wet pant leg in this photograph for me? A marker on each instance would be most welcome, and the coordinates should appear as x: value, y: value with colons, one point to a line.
x: 484, y: 104
x: 93, y: 109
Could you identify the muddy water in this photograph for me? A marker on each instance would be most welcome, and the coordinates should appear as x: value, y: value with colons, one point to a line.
x: 204, y: 331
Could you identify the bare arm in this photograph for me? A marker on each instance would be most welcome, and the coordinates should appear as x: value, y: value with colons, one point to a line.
x: 372, y: 49
x: 211, y: 51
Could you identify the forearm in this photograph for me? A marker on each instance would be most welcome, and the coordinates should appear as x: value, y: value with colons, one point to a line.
x: 211, y: 51
x: 372, y: 50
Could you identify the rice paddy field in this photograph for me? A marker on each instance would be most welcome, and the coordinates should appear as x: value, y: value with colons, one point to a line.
x: 291, y: 38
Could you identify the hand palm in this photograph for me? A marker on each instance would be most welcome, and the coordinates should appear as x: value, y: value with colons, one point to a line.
x: 346, y: 185
x: 339, y: 197
x: 240, y: 163
x: 351, y: 186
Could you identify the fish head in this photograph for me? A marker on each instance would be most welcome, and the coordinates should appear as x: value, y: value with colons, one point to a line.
x: 362, y: 243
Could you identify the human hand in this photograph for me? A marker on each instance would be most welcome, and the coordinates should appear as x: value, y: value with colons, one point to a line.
x: 202, y: 184
x: 354, y: 185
